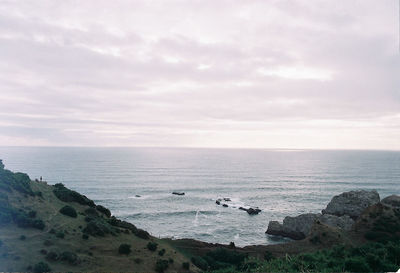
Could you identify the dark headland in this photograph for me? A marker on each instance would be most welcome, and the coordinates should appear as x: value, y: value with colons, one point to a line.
x: 52, y: 228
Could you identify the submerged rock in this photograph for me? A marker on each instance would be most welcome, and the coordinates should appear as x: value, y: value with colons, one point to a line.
x: 218, y: 202
x: 252, y: 211
x: 392, y: 200
x: 178, y: 193
x: 225, y: 205
x: 351, y: 203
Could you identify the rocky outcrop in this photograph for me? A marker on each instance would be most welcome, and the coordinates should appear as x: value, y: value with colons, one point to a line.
x: 344, y: 222
x: 178, y: 193
x: 340, y: 213
x: 392, y: 200
x: 296, y: 228
x: 351, y: 203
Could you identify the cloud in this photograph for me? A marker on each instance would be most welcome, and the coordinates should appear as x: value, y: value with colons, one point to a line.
x: 200, y: 73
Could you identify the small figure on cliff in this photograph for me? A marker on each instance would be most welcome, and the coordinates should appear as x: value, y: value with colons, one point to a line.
x: 40, y: 178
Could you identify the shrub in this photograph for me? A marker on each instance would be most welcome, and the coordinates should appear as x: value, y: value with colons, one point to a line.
x: 161, y: 266
x: 186, y: 265
x: 161, y: 252
x: 268, y: 256
x: 171, y: 261
x: 103, y: 210
x: 152, y: 246
x: 69, y: 257
x: 85, y: 236
x: 32, y: 214
x: 24, y: 221
x: 138, y: 260
x: 67, y: 195
x: 200, y: 262
x: 124, y: 249
x: 22, y: 237
x: 41, y: 267
x: 98, y: 227
x: 91, y: 212
x: 356, y: 265
x: 142, y: 234
x: 69, y: 211
x: 52, y: 256
x: 60, y: 235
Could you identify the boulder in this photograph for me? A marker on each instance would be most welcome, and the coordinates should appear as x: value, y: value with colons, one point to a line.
x: 252, y: 211
x: 225, y: 205
x: 392, y: 200
x: 296, y: 228
x: 275, y: 228
x: 351, y: 203
x: 344, y: 222
x: 300, y: 226
x: 218, y: 202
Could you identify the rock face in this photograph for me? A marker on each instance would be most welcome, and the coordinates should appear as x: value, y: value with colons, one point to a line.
x: 299, y: 227
x: 296, y: 228
x: 392, y: 200
x: 344, y: 222
x: 351, y: 203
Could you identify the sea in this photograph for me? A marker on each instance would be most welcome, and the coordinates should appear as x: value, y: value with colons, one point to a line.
x: 136, y: 184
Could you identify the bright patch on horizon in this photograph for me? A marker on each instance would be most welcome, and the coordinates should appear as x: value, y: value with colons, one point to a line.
x: 297, y: 73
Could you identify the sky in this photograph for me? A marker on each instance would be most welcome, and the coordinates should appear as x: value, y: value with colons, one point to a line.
x: 318, y: 74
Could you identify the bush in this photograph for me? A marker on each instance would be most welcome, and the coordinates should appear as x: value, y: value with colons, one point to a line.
x: 142, y: 234
x: 161, y: 252
x: 103, y: 210
x: 69, y: 257
x: 67, y: 195
x: 200, y: 262
x: 52, y: 256
x: 171, y: 261
x: 124, y: 249
x: 85, y: 236
x: 98, y: 227
x: 32, y: 214
x: 41, y: 267
x: 186, y: 265
x: 60, y: 235
x: 138, y: 260
x: 268, y: 256
x: 152, y: 246
x: 161, y: 266
x: 69, y: 211
x: 24, y: 221
x: 356, y: 265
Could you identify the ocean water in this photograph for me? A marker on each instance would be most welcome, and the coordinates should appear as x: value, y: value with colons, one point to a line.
x: 280, y: 182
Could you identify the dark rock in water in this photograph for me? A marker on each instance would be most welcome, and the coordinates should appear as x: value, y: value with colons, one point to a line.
x: 242, y: 208
x: 218, y: 202
x: 392, y: 200
x: 252, y: 211
x: 137, y: 195
x: 227, y: 199
x: 225, y: 205
x: 351, y: 203
x: 178, y: 193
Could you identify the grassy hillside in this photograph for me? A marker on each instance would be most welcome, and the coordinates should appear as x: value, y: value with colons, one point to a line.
x: 52, y: 228
x: 44, y: 227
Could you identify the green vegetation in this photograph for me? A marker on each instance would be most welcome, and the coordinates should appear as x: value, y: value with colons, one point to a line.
x: 98, y: 227
x: 103, y: 210
x: 124, y: 249
x: 69, y: 257
x: 60, y: 234
x: 161, y: 252
x: 69, y: 211
x: 371, y: 257
x: 186, y: 265
x: 161, y: 265
x: 17, y: 181
x: 152, y: 246
x: 67, y: 195
x: 41, y: 267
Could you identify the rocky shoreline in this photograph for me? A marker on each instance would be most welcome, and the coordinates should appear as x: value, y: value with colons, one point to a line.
x: 342, y: 212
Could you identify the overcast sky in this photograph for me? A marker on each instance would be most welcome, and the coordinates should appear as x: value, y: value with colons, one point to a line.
x: 200, y: 73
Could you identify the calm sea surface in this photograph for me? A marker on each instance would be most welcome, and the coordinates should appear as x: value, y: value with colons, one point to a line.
x: 279, y: 182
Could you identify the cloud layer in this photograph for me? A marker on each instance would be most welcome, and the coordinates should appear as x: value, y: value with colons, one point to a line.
x: 274, y: 74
